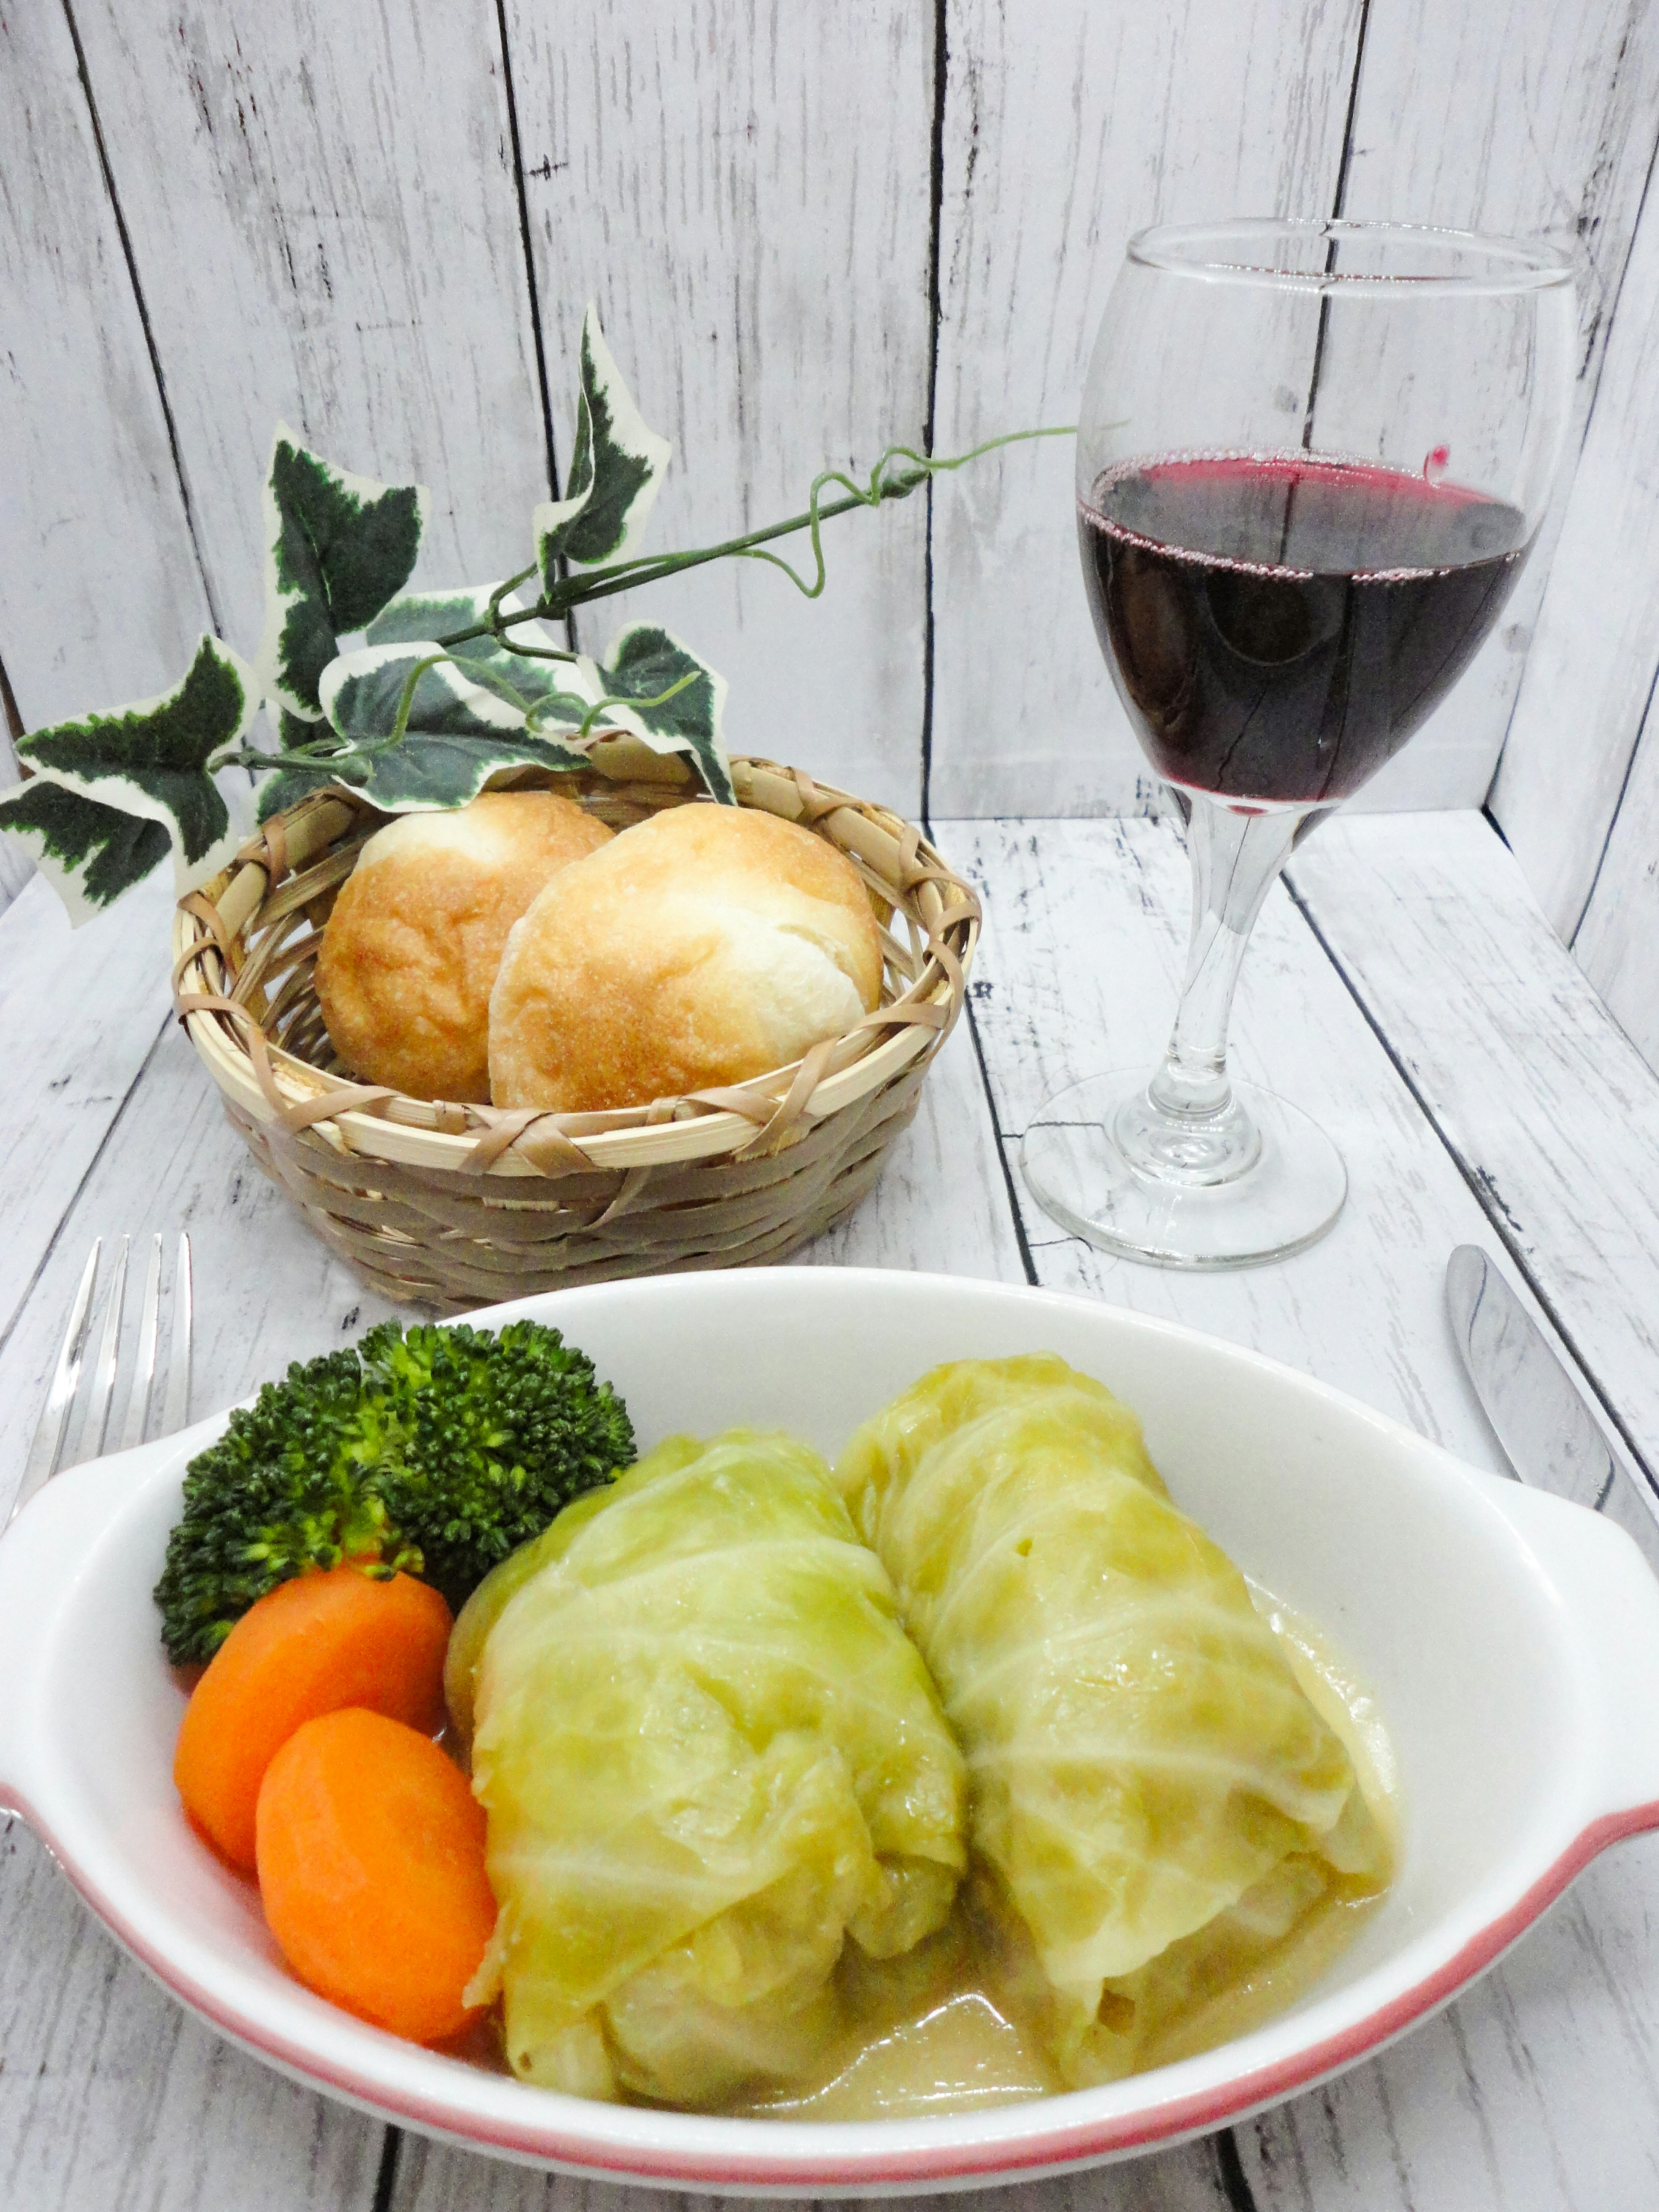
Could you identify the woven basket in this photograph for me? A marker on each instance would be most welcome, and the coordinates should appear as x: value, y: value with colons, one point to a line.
x: 457, y: 1205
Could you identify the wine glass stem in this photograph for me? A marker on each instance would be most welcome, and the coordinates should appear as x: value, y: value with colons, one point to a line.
x: 1188, y: 1126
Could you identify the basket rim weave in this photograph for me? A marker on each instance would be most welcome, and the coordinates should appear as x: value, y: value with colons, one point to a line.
x: 229, y: 999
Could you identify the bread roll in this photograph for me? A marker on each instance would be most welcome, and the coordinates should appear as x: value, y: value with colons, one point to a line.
x: 411, y: 949
x: 703, y: 947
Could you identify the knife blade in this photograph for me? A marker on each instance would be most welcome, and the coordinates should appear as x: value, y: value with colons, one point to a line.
x: 1549, y: 1433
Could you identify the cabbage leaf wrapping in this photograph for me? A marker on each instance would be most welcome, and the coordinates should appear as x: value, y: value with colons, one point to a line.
x: 1155, y: 1803
x: 709, y: 1754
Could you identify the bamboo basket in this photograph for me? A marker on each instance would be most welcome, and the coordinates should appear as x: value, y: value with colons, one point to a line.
x: 453, y: 1205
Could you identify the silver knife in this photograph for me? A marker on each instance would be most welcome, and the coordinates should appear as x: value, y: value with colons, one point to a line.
x: 1549, y: 1434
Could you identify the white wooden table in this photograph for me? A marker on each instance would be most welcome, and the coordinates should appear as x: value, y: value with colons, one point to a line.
x: 1405, y: 988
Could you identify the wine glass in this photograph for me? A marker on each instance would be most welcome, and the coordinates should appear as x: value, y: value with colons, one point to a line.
x: 1313, y: 457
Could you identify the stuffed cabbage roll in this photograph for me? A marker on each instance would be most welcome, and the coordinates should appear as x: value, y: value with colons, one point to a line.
x: 709, y: 1754
x: 1156, y: 1806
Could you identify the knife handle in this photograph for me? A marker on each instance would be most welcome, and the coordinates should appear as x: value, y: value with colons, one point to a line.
x: 1610, y: 1712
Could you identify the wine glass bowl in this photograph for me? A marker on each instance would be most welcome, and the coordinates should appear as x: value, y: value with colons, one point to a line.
x: 1312, y: 460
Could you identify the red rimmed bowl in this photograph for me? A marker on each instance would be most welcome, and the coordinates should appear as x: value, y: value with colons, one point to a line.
x: 1510, y: 1640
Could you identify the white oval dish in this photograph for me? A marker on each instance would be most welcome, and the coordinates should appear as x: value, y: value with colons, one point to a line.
x: 1511, y: 1641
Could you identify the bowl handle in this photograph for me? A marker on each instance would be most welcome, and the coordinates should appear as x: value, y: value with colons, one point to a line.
x: 40, y: 1554
x: 1612, y: 1599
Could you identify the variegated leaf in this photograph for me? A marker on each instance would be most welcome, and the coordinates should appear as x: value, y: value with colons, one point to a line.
x: 417, y: 616
x: 339, y: 548
x: 149, y: 759
x: 615, y: 464
x: 645, y: 662
x: 89, y: 855
x: 457, y: 736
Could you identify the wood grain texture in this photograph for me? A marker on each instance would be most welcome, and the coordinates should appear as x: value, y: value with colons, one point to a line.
x: 434, y: 2178
x: 82, y: 1010
x: 15, y: 869
x: 1589, y: 677
x: 267, y: 1291
x: 1551, y: 1111
x: 325, y: 223
x: 1518, y: 118
x: 1534, y: 2092
x: 1618, y: 942
x: 101, y: 595
x: 744, y: 192
x: 1056, y: 148
x: 16, y: 864
x: 111, y: 2094
x: 941, y: 1204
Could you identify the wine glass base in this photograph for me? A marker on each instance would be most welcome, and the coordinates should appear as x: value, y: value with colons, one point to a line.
x: 1286, y: 1201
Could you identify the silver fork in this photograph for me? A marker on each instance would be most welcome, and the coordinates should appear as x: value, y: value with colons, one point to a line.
x: 74, y: 1422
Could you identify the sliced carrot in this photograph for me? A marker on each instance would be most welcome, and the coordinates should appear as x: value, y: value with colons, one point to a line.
x: 372, y: 1870
x: 310, y: 1646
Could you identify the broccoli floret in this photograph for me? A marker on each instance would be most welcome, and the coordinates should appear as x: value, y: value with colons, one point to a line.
x: 432, y: 1451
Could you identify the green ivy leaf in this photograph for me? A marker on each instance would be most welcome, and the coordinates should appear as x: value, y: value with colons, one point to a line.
x: 418, y: 616
x: 338, y: 547
x: 615, y: 465
x: 89, y: 855
x: 289, y: 786
x: 645, y: 662
x: 149, y: 760
x: 459, y: 735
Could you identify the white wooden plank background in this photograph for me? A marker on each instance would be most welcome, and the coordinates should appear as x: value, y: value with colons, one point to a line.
x: 111, y: 2094
x: 1055, y: 149
x: 326, y: 214
x: 1549, y: 1109
x: 434, y: 2179
x: 324, y: 220
x: 1617, y: 941
x: 1589, y: 677
x: 1519, y: 118
x: 745, y: 191
x: 100, y: 591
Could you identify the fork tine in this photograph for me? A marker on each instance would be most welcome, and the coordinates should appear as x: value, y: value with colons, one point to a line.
x: 48, y: 1445
x: 100, y: 1384
x: 176, y: 1409
x: 143, y: 1374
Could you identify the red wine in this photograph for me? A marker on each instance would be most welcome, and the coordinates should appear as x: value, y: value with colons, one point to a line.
x: 1279, y: 625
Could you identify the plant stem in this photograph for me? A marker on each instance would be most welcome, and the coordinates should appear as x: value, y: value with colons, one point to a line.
x: 625, y: 576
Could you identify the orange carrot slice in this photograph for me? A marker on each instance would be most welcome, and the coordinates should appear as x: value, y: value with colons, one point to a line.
x: 371, y: 1851
x: 310, y: 1646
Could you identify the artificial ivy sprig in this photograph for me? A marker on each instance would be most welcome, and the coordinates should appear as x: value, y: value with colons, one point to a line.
x: 444, y: 690
x: 577, y: 590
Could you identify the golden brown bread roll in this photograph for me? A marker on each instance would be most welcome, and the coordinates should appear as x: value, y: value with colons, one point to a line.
x: 411, y: 951
x: 703, y: 947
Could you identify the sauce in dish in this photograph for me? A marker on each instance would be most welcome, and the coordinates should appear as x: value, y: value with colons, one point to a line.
x: 937, y: 2037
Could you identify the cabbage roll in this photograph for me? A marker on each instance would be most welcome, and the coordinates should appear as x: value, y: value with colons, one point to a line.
x: 709, y: 1754
x: 1155, y: 1804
